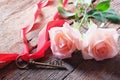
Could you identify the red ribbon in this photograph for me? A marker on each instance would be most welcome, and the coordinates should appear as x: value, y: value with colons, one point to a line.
x: 43, y: 40
x: 8, y: 57
x: 65, y: 2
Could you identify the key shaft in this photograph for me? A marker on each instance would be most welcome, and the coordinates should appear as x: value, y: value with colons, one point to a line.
x: 46, y: 64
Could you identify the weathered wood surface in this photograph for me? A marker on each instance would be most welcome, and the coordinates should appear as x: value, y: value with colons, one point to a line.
x: 15, y: 14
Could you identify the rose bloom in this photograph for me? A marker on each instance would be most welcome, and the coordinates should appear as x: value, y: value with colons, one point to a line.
x: 100, y: 43
x: 64, y: 40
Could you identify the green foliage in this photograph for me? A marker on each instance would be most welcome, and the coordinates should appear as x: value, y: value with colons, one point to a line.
x: 61, y: 1
x: 103, y: 6
x: 64, y: 13
x: 99, y: 16
x: 101, y: 12
x: 77, y: 17
x: 111, y: 15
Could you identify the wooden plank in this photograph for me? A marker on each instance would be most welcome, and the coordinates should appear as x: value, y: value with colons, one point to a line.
x: 103, y: 70
x: 92, y: 70
x: 16, y: 16
x: 12, y: 12
x: 41, y: 73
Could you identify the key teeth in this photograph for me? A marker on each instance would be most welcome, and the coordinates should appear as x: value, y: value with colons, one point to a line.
x: 56, y: 62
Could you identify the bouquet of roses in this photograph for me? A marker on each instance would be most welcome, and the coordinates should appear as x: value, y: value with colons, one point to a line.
x: 96, y: 43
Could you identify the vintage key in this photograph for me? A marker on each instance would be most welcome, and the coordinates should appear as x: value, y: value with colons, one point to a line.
x: 25, y: 64
x: 46, y: 64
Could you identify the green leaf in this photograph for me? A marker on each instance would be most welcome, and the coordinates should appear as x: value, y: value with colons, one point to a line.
x: 61, y: 1
x: 81, y: 9
x: 103, y: 6
x: 91, y: 12
x: 64, y: 13
x: 76, y: 17
x: 99, y: 16
x: 111, y: 15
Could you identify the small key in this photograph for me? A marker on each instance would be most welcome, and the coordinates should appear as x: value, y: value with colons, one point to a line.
x: 46, y: 64
x: 25, y: 65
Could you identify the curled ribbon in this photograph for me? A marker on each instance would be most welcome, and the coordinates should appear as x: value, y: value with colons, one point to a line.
x: 43, y: 39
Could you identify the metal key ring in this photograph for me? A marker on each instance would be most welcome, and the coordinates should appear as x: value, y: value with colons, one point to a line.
x: 21, y: 64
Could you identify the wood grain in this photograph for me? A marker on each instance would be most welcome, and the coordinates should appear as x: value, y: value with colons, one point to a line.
x: 15, y: 14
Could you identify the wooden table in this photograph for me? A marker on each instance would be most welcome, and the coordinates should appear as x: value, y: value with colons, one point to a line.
x: 15, y: 14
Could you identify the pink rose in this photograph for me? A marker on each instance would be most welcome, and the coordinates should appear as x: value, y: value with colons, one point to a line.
x: 64, y: 40
x: 100, y: 43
